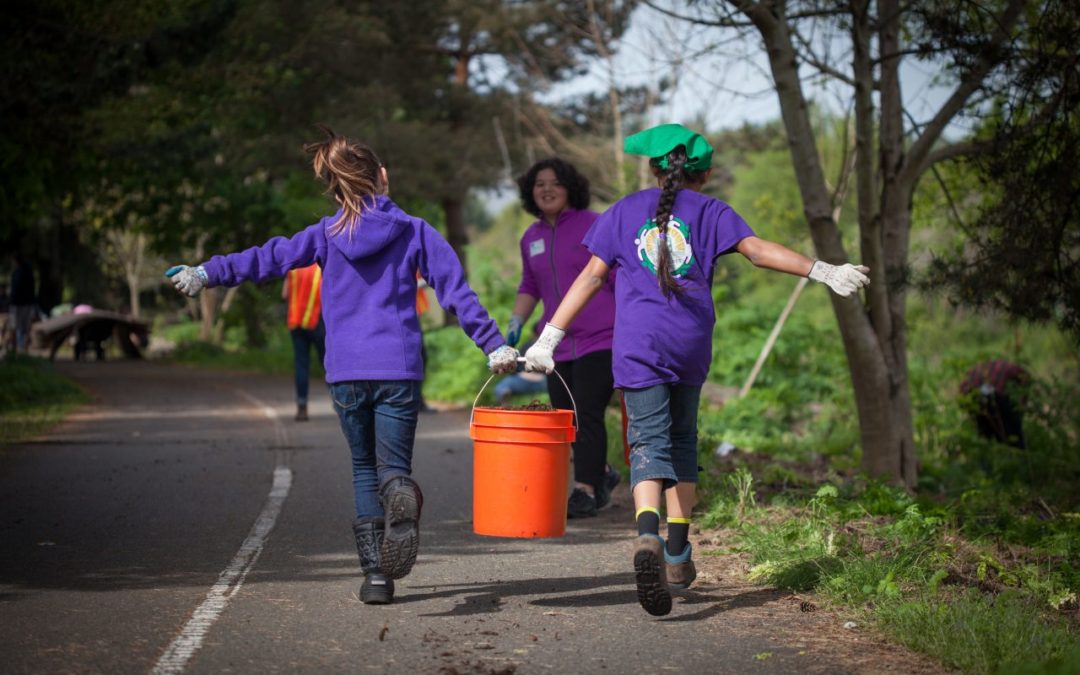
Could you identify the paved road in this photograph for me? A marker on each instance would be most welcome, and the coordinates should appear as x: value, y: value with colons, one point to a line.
x: 183, y: 522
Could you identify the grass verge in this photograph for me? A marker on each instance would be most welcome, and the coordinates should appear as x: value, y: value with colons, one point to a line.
x: 914, y: 569
x: 33, y: 397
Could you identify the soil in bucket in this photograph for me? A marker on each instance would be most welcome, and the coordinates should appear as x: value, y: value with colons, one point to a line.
x: 521, y: 461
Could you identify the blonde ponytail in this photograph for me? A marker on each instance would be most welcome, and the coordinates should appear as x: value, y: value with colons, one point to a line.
x: 351, y: 171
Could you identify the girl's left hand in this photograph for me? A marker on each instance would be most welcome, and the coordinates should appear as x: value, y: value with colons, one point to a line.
x: 842, y: 279
x: 503, y: 360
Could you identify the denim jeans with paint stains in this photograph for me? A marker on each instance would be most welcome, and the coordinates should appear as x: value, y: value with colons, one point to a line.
x: 378, y: 418
x: 662, y: 431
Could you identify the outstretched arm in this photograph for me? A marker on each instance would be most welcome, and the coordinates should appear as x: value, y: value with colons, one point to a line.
x: 842, y: 279
x: 539, y: 357
x: 772, y: 256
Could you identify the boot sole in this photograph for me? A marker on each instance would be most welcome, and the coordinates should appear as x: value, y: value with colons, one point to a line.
x: 652, y: 592
x: 401, y: 541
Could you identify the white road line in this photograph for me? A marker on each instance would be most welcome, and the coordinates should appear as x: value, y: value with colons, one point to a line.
x: 280, y: 433
x: 180, y: 651
x: 190, y: 639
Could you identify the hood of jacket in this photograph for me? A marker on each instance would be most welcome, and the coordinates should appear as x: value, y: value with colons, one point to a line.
x: 378, y: 227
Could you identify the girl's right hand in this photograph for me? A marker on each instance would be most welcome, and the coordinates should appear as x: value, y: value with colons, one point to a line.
x: 842, y: 279
x: 188, y: 280
x: 540, y: 358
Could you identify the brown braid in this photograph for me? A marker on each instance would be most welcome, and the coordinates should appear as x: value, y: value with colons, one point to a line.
x: 673, y: 179
x: 351, y: 172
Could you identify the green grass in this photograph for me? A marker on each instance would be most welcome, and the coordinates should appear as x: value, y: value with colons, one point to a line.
x: 904, y: 565
x: 983, y: 633
x: 276, y: 358
x: 33, y: 397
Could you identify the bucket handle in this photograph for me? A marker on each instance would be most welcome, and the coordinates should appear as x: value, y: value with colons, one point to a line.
x: 521, y: 359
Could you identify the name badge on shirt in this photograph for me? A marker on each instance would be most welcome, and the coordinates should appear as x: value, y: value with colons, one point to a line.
x: 536, y: 248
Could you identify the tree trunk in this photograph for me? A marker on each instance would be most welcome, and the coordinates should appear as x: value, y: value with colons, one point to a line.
x: 453, y: 206
x: 208, y: 313
x: 453, y: 211
x: 880, y: 410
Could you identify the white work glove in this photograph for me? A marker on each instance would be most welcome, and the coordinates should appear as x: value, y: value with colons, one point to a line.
x: 843, y: 279
x: 503, y: 360
x: 513, y: 331
x: 540, y: 357
x: 188, y: 280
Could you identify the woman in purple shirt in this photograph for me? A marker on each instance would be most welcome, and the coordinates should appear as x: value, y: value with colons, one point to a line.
x: 551, y: 258
x: 369, y: 252
x: 665, y: 243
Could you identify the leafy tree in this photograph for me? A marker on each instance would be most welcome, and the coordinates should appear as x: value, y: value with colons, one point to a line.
x: 1021, y: 252
x: 861, y: 45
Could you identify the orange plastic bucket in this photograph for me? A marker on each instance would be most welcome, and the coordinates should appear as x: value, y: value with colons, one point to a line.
x: 521, y: 469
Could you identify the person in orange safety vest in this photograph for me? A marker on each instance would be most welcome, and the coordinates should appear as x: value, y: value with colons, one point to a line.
x: 302, y: 293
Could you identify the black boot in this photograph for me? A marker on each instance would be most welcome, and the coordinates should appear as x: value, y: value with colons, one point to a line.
x: 401, y: 501
x: 301, y: 412
x: 378, y: 588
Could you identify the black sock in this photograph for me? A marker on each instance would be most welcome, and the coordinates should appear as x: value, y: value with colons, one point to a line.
x: 648, y: 522
x: 677, y: 536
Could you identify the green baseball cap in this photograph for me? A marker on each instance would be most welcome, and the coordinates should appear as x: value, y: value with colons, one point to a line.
x: 658, y: 141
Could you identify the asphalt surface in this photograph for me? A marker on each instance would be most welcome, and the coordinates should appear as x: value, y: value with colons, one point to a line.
x: 184, y: 522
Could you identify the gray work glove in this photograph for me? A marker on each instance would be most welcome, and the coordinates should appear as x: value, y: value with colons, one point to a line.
x: 540, y: 358
x: 842, y: 279
x: 503, y: 360
x: 188, y: 280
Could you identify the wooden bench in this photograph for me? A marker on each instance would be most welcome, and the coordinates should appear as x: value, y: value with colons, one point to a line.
x: 92, y: 327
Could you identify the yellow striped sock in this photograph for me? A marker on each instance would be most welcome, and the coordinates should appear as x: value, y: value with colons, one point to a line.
x: 645, y: 509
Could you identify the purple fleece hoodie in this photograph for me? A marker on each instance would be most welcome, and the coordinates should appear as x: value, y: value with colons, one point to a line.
x: 369, y: 289
x: 551, y: 259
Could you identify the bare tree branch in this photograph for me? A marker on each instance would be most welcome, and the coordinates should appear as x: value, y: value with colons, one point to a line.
x: 810, y: 58
x: 969, y: 84
x: 725, y: 22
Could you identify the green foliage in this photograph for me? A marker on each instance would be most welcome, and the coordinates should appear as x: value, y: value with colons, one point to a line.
x: 978, y: 633
x: 275, y: 358
x: 463, y: 368
x: 33, y: 396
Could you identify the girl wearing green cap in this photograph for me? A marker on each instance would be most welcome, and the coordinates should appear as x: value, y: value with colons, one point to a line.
x: 665, y: 242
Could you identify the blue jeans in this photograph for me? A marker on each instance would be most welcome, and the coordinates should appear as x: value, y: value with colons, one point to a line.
x: 302, y: 342
x: 662, y: 431
x: 378, y: 418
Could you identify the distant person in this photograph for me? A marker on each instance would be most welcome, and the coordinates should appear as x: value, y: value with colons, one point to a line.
x: 23, y: 301
x: 302, y: 292
x: 7, y: 332
x: 665, y: 242
x: 996, y: 391
x: 91, y: 334
x: 555, y: 193
x: 369, y: 252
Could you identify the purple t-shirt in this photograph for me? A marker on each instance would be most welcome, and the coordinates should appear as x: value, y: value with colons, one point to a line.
x: 551, y: 259
x: 663, y: 340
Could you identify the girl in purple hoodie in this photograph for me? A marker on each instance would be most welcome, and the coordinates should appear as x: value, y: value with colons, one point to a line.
x: 369, y: 252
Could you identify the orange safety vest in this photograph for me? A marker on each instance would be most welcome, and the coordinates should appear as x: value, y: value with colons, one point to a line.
x: 305, y: 297
x: 422, y: 304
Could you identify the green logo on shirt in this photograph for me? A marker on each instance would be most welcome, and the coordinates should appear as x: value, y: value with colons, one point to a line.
x: 678, y: 242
